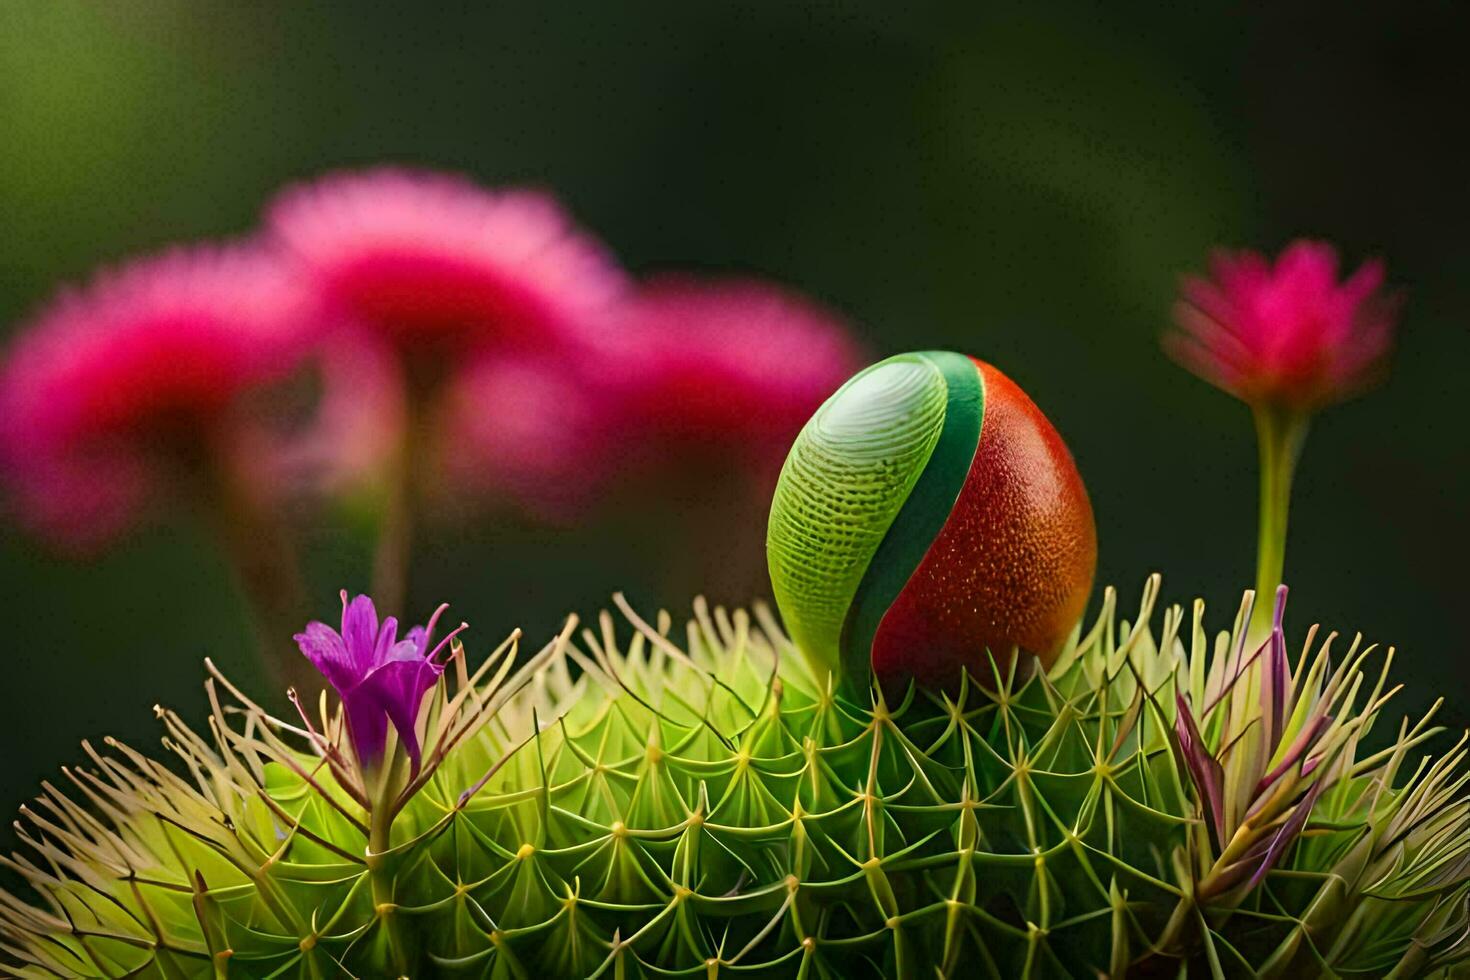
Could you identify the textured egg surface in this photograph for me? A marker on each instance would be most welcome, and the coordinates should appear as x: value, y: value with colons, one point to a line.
x: 927, y: 513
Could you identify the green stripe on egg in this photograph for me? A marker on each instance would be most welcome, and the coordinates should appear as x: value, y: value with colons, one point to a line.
x: 925, y: 511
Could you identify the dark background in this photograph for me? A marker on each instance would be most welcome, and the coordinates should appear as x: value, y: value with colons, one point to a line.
x: 1025, y: 184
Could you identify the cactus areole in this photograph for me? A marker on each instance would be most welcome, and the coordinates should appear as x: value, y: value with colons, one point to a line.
x: 929, y: 518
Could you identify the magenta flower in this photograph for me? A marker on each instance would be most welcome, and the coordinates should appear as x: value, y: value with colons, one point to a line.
x: 352, y: 433
x: 380, y: 678
x: 442, y: 271
x: 729, y: 364
x: 1288, y: 334
x: 435, y: 261
x: 543, y: 432
x: 731, y: 359
x: 1287, y: 339
x: 687, y: 369
x: 118, y: 387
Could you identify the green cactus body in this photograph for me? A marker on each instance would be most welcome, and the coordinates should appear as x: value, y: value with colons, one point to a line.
x: 643, y: 803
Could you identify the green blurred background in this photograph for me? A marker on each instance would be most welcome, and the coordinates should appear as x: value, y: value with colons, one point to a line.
x: 1024, y: 182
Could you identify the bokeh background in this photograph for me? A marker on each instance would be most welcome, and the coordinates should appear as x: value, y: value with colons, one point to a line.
x: 1021, y: 181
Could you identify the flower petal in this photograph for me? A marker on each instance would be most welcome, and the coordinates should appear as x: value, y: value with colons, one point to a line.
x: 1288, y: 833
x: 360, y: 632
x: 387, y: 638
x: 324, y: 648
x: 397, y: 689
x: 1276, y: 680
x: 1305, y: 740
x: 1204, y: 770
x: 367, y: 725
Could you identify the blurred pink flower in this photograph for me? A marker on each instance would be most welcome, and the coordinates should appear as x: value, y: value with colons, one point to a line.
x: 114, y: 384
x: 1287, y: 334
x: 436, y: 262
x: 351, y: 431
x: 732, y: 364
x: 543, y: 432
x: 687, y: 371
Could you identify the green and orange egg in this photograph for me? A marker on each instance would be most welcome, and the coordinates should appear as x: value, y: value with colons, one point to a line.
x: 928, y: 519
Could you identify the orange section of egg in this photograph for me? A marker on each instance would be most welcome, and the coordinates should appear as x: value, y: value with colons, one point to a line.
x: 1013, y: 565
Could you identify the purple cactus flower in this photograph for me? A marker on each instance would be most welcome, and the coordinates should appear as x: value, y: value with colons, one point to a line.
x: 380, y: 678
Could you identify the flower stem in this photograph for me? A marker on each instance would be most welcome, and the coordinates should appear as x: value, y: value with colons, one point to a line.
x: 1280, y: 433
x: 266, y: 568
x: 380, y: 874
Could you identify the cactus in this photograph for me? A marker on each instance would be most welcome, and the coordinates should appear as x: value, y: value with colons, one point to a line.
x: 633, y: 801
x: 1139, y: 799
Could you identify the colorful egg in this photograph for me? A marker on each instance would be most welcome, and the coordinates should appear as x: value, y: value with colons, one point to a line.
x: 928, y: 512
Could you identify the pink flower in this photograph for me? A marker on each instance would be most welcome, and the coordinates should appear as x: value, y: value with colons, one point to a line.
x: 350, y: 436
x: 1288, y: 334
x: 436, y: 262
x: 732, y: 364
x: 116, y: 387
x: 687, y: 370
x: 544, y: 432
